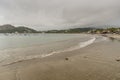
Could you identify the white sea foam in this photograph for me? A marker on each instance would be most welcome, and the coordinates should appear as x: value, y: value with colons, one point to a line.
x: 80, y: 45
x: 86, y: 43
x: 101, y: 38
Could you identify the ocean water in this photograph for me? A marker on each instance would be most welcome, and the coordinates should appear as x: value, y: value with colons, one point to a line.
x: 20, y: 47
x: 24, y: 40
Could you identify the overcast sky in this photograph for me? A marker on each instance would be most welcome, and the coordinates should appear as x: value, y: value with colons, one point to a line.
x: 53, y: 14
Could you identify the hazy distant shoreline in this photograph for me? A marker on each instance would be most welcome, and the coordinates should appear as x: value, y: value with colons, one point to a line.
x: 10, y: 29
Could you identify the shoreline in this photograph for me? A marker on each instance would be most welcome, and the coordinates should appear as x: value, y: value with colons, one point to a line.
x: 115, y: 36
x: 34, y: 52
x: 94, y: 62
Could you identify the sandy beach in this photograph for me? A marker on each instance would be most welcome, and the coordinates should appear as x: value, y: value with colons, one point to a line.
x: 116, y: 36
x: 98, y: 61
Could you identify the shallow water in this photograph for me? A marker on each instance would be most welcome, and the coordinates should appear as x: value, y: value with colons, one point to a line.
x: 21, y: 40
x: 15, y: 48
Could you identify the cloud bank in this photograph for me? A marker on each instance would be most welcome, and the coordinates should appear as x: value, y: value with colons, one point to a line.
x: 50, y: 14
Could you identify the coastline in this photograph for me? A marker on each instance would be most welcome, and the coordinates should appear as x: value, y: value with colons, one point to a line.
x: 94, y: 62
x: 115, y: 36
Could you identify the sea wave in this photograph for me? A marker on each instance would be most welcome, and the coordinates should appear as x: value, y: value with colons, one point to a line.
x: 80, y: 45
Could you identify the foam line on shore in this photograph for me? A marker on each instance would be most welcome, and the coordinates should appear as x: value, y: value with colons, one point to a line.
x: 80, y: 45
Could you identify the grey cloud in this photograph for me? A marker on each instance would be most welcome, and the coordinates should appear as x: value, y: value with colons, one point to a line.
x: 59, y: 13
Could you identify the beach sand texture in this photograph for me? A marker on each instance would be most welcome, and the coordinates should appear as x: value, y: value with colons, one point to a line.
x: 98, y: 61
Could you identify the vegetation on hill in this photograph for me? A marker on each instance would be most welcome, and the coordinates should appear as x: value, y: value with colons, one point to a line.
x: 21, y: 29
x: 74, y: 30
x: 12, y: 29
x: 106, y: 31
x: 88, y: 30
x: 6, y: 27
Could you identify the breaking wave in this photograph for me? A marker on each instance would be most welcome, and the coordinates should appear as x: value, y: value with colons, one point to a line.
x: 80, y: 45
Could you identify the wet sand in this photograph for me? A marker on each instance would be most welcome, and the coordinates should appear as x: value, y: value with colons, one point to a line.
x: 94, y: 62
x: 115, y: 36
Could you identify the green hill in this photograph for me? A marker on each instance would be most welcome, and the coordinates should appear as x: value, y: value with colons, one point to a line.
x: 74, y: 30
x: 12, y: 29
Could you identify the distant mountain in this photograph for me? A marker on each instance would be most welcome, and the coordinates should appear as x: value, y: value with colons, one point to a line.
x: 7, y: 28
x: 74, y: 30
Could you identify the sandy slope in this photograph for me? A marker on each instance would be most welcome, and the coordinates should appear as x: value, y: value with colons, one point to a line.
x: 95, y: 62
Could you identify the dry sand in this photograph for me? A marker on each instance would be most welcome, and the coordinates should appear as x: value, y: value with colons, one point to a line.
x: 94, y: 62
